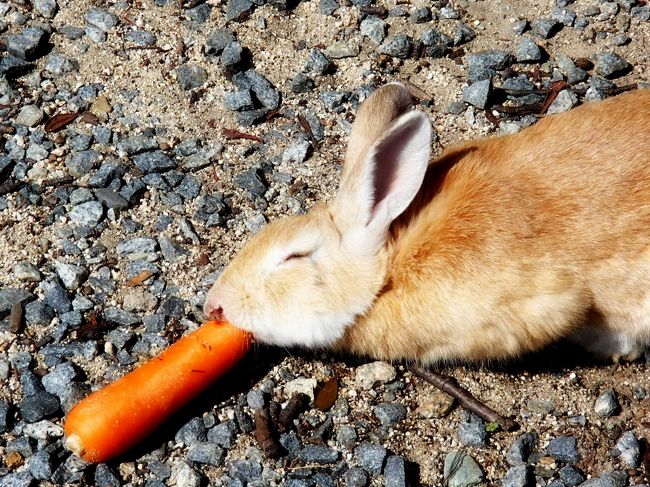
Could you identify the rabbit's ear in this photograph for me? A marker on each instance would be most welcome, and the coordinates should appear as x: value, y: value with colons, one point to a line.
x: 388, y: 178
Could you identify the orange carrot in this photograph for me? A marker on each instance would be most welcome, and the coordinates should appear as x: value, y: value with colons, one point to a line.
x: 113, y: 419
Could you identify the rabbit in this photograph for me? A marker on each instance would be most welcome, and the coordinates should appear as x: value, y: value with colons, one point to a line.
x: 496, y: 248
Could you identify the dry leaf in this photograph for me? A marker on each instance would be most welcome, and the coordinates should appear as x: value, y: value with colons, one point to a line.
x: 62, y: 120
x: 89, y: 117
x: 327, y: 395
x: 138, y: 279
x: 236, y: 134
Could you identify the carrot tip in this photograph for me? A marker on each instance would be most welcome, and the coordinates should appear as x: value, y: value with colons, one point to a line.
x: 75, y: 444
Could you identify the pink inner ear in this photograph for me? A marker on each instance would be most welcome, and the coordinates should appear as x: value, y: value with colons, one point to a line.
x: 389, y: 157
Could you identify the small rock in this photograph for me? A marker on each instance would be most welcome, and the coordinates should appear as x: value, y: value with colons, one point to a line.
x: 250, y: 180
x: 519, y: 476
x: 141, y: 38
x: 318, y: 63
x: 27, y: 45
x: 184, y: 476
x: 374, y: 28
x: 300, y: 385
x: 371, y: 457
x: 519, y: 27
x: 421, y: 15
x: 346, y: 436
x: 38, y: 406
x: 565, y: 449
x: 296, y: 153
x: 47, y: 8
x: 609, y: 64
x: 463, y: 34
x: 190, y: 77
x: 369, y: 375
x: 629, y: 449
x: 245, y: 470
x: 448, y: 13
x: 471, y: 431
x: 564, y: 101
x: 26, y: 271
x: 255, y: 399
x: 223, y: 434
x: 87, y: 214
x: 355, y: 477
x: 72, y: 276
x: 570, y: 476
x: 563, y: 16
x: 398, y: 45
x: 40, y: 465
x: 343, y: 49
x: 328, y: 7
x: 319, y: 454
x: 232, y: 54
x: 105, y: 477
x: 101, y: 19
x: 395, y: 472
x: 477, y: 94
x: 135, y: 145
x: 206, y: 453
x: 238, y: 100
x: 527, y: 50
x: 302, y: 83
x: 263, y: 89
x: 154, y: 161
x: 81, y: 163
x: 484, y: 64
x: 236, y: 8
x: 389, y: 414
x: 607, y: 404
x: 120, y: 317
x: 58, y: 64
x: 30, y: 116
x: 192, y: 432
x: 218, y: 41
x: 568, y: 68
x: 461, y: 470
x: 521, y: 448
x: 201, y: 13
x: 435, y: 405
x: 545, y: 28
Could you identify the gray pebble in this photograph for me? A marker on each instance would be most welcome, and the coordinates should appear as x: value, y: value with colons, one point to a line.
x: 232, y: 54
x: 238, y: 100
x: 389, y: 414
x: 72, y: 276
x: 477, y: 94
x: 521, y: 448
x: 244, y: 421
x: 201, y: 13
x: 135, y: 145
x: 355, y: 477
x: 154, y: 161
x: 369, y: 375
x: 570, y: 476
x: 206, y: 453
x: 436, y: 42
x: 318, y: 63
x: 28, y: 44
x: 202, y: 158
x: 250, y: 180
x: 263, y: 89
x: 291, y: 443
x: 38, y: 313
x: 565, y: 449
x: 374, y: 28
x: 610, y: 64
x: 81, y: 163
x: 463, y: 34
x: 235, y: 9
x: 47, y: 8
x: 564, y: 101
x: 328, y: 7
x: 58, y: 64
x: 190, y: 76
x: 26, y: 271
x: 641, y: 12
x: 170, y: 250
x: 255, y: 399
x: 606, y: 404
x: 249, y: 118
x: 519, y: 27
x: 40, y: 465
x: 448, y: 13
x: 101, y: 18
x: 563, y: 16
x: 302, y: 83
x: 545, y: 28
x: 483, y: 65
x: 245, y: 470
x: 398, y: 45
x: 55, y: 296
x: 620, y: 39
x: 95, y: 34
x: 218, y: 41
x: 105, y: 477
x: 120, y: 317
x: 111, y: 199
x: 192, y: 432
x: 188, y: 147
x: 461, y: 470
x: 22, y: 479
x: 342, y: 49
x: 189, y: 188
x: 471, y: 431
x: 296, y: 153
x: 519, y: 476
x: 319, y: 454
x: 30, y: 116
x: 223, y: 434
x: 611, y: 478
x: 629, y: 449
x: 183, y: 475
x: 141, y: 37
x: 80, y: 142
x: 371, y: 457
x: 346, y: 436
x: 71, y: 32
x: 568, y: 68
x: 138, y: 245
x: 527, y: 50
x: 395, y: 472
x: 255, y: 223
x: 38, y: 406
x: 421, y: 15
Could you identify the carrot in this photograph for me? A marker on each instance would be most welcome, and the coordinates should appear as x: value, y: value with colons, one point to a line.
x: 113, y: 419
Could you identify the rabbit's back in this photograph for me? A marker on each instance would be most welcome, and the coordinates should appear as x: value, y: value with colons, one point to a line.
x: 516, y: 241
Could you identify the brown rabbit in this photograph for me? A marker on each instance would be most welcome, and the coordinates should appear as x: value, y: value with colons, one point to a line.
x: 495, y: 248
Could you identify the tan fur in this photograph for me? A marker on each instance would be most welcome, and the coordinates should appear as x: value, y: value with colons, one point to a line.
x: 510, y: 244
x: 558, y: 213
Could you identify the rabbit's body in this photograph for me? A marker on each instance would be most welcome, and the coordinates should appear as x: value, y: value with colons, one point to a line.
x: 496, y: 248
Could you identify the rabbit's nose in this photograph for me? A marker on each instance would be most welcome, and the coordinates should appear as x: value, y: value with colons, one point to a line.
x: 213, y: 311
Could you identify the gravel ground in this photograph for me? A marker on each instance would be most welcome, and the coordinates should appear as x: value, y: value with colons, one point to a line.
x: 143, y: 142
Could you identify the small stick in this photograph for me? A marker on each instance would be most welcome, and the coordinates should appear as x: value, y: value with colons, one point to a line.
x: 296, y: 405
x: 265, y: 434
x: 236, y: 134
x: 450, y: 386
x: 416, y: 91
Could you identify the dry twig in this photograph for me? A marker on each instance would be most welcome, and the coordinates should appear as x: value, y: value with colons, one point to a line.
x: 450, y: 386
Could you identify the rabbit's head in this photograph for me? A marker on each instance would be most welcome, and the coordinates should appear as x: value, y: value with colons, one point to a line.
x: 303, y: 279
